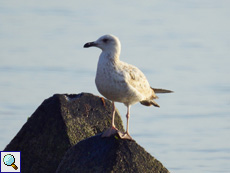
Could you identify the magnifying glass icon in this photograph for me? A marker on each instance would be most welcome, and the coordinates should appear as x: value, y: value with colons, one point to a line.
x: 9, y: 160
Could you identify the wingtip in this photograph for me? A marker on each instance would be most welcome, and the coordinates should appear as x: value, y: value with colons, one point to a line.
x: 149, y: 103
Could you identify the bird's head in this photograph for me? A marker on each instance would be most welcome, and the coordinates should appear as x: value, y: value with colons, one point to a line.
x: 106, y: 43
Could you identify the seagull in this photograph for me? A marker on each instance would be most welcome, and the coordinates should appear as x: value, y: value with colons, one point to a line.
x: 121, y: 82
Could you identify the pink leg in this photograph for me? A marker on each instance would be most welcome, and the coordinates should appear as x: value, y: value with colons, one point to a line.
x: 126, y: 135
x: 112, y: 130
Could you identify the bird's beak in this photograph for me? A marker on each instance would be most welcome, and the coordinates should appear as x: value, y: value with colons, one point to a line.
x: 90, y: 44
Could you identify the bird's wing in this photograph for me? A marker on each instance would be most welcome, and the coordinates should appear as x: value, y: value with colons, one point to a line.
x: 135, y: 78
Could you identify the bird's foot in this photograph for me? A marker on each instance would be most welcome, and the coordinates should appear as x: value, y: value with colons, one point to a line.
x: 125, y: 135
x: 109, y: 132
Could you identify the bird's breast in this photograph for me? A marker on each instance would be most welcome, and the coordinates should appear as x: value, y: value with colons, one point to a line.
x: 108, y: 83
x: 112, y: 85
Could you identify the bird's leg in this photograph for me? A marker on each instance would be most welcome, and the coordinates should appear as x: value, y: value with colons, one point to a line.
x: 113, y: 116
x: 126, y: 135
x: 112, y: 130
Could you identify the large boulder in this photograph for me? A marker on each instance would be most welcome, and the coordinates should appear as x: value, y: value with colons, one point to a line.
x: 97, y: 155
x: 60, y: 122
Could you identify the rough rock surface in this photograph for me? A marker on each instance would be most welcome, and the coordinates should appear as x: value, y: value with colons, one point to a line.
x: 60, y: 122
x: 96, y: 155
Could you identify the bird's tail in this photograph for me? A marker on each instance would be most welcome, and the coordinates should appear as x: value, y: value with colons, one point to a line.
x: 160, y: 91
x: 152, y: 102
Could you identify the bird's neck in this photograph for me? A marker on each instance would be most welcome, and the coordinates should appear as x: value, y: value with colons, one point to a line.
x: 112, y: 56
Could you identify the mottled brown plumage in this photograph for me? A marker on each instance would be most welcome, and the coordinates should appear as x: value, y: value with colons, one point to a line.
x: 119, y: 81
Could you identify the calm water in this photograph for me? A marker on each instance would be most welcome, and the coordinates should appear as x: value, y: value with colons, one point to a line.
x: 179, y: 45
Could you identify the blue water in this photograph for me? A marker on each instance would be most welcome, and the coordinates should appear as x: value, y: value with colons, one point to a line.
x: 179, y: 45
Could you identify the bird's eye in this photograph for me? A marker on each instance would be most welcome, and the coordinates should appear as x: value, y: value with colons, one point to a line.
x: 105, y: 40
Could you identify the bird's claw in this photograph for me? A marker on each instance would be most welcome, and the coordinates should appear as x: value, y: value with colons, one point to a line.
x: 124, y: 136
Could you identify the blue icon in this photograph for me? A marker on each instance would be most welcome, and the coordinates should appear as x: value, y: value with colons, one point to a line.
x: 9, y: 160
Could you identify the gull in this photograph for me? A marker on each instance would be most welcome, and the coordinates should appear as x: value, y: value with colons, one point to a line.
x: 121, y: 82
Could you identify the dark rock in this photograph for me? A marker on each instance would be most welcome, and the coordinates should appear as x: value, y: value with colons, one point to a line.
x: 112, y: 154
x: 60, y: 122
